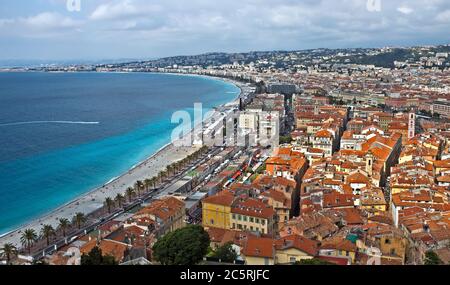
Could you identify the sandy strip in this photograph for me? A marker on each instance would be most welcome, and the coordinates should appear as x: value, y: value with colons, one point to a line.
x: 94, y: 199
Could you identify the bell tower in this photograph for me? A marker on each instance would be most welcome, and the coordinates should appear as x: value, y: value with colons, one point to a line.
x: 412, y: 126
x: 369, y: 163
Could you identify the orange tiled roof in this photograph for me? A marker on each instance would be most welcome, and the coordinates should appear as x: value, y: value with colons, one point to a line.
x: 259, y: 247
x: 298, y: 242
x: 223, y: 198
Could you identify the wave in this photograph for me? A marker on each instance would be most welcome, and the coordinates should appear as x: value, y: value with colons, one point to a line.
x: 48, y: 122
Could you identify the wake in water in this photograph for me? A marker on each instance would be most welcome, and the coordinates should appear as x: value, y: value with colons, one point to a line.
x: 48, y: 122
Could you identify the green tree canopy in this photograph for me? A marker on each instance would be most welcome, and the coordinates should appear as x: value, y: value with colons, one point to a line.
x: 226, y: 253
x: 314, y: 261
x: 431, y: 258
x: 95, y: 257
x: 186, y: 246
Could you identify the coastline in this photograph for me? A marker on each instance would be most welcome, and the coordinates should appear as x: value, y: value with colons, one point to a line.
x: 94, y: 199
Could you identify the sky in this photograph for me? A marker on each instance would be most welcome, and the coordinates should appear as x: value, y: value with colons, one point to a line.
x: 115, y: 29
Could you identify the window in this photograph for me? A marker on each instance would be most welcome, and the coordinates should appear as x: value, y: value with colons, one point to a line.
x: 234, y: 216
x: 212, y: 222
x: 387, y: 241
x: 245, y: 218
x: 252, y: 219
x: 257, y: 220
x: 263, y: 222
x: 234, y: 225
x: 239, y: 217
x: 292, y: 259
x: 251, y: 228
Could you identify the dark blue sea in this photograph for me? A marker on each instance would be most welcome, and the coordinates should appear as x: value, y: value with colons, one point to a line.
x: 64, y: 134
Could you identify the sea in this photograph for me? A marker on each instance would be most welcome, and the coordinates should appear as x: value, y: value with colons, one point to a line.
x: 65, y: 134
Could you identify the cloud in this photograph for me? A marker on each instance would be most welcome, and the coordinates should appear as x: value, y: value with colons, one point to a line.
x: 443, y: 17
x: 44, y: 24
x: 122, y: 10
x: 405, y: 10
x: 142, y: 28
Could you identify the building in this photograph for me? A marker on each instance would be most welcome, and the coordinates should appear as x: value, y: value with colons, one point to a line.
x: 259, y: 251
x: 248, y: 214
x: 294, y: 248
x: 163, y: 216
x: 216, y: 210
x: 441, y: 108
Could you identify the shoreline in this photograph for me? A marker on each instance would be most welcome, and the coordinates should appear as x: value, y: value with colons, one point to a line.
x: 89, y: 201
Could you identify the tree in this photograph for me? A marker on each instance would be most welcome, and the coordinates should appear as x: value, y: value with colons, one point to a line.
x: 431, y: 258
x: 130, y: 194
x: 28, y: 238
x: 285, y: 140
x: 186, y: 246
x: 170, y: 170
x: 226, y: 253
x: 154, y: 181
x: 119, y: 199
x: 109, y: 202
x: 79, y: 219
x: 314, y: 261
x: 8, y: 251
x: 63, y: 225
x: 148, y: 183
x: 139, y: 186
x: 47, y: 232
x: 95, y: 257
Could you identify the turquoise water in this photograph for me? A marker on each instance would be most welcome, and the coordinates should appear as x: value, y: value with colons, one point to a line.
x: 63, y: 135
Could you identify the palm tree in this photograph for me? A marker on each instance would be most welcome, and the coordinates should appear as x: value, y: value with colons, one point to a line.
x: 169, y: 170
x: 139, y: 186
x: 130, y: 193
x: 119, y: 199
x: 28, y: 238
x: 64, y: 224
x: 109, y: 204
x: 79, y: 219
x: 162, y: 175
x: 147, y: 184
x: 8, y: 251
x: 47, y: 232
x: 154, y: 181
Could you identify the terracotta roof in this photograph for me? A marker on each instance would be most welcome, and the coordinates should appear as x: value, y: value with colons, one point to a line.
x: 223, y: 198
x: 253, y: 208
x: 358, y: 178
x: 259, y: 247
x: 163, y: 208
x: 298, y: 242
x: 324, y: 134
x: 108, y: 247
x: 339, y: 244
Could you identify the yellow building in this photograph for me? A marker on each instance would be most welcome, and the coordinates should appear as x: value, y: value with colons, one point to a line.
x: 339, y: 248
x: 373, y: 201
x: 294, y: 248
x: 253, y: 215
x: 259, y: 251
x: 216, y: 211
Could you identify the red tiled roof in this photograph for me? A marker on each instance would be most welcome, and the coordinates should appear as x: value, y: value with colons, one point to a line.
x: 259, y: 247
x: 298, y: 242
